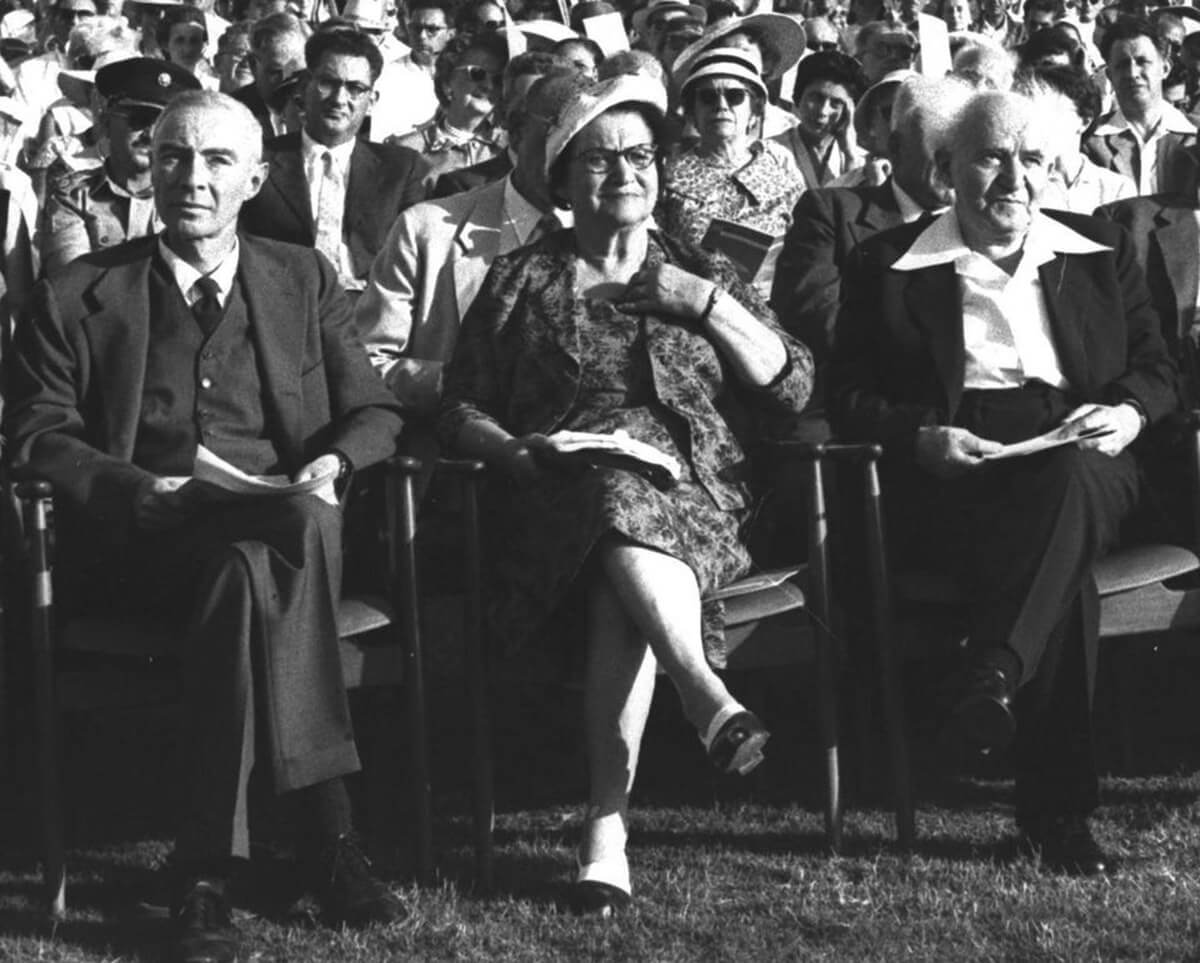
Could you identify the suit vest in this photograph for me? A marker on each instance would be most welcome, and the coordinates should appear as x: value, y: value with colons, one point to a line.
x: 200, y: 390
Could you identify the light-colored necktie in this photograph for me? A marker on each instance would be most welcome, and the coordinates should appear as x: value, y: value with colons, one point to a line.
x: 329, y: 213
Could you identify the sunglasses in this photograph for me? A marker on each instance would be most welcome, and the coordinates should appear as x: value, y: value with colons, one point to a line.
x: 430, y: 28
x: 600, y: 160
x: 138, y: 117
x: 478, y: 75
x: 824, y: 46
x: 712, y: 96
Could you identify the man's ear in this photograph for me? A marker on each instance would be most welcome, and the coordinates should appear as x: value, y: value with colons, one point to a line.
x: 258, y: 177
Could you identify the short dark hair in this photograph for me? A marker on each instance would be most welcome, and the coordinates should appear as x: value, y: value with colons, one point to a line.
x: 1129, y: 28
x: 459, y: 46
x: 559, y: 170
x: 832, y: 66
x: 173, y: 16
x: 1074, y: 83
x: 448, y: 7
x: 532, y: 62
x: 344, y: 41
x: 271, y: 28
x: 1039, y: 6
x: 1049, y: 42
x: 465, y: 18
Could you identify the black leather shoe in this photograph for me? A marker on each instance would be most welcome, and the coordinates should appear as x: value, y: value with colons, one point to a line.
x: 982, y: 720
x: 350, y: 894
x: 737, y: 747
x: 202, y: 926
x: 1065, y: 844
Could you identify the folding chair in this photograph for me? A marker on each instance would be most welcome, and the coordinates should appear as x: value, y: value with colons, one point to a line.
x: 1138, y: 598
x: 773, y: 618
x: 88, y: 663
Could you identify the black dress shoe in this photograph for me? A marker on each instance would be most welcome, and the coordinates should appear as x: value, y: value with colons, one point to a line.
x: 1065, y: 844
x: 982, y: 720
x: 349, y: 892
x: 737, y: 747
x: 202, y: 929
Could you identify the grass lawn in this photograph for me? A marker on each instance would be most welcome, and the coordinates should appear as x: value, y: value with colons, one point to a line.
x: 722, y: 871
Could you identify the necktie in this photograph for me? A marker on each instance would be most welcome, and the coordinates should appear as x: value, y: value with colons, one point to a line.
x: 548, y: 223
x: 207, y: 309
x: 329, y: 213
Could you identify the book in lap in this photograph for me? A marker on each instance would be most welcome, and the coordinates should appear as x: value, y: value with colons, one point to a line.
x: 618, y: 450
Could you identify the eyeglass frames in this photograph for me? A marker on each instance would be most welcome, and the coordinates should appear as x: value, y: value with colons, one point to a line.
x: 477, y: 74
x: 329, y: 86
x: 712, y: 96
x: 601, y: 160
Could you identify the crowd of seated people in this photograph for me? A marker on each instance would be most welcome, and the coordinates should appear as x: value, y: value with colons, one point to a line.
x: 298, y: 234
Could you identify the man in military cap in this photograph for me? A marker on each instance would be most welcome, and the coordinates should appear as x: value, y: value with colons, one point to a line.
x: 102, y: 207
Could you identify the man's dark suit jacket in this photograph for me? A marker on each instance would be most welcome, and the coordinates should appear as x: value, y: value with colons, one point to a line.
x: 898, y: 360
x: 76, y: 386
x: 384, y: 180
x: 1167, y: 241
x: 469, y: 178
x: 828, y: 224
x: 252, y: 99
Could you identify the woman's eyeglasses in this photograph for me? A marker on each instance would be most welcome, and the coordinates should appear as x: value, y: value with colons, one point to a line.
x: 712, y: 96
x: 477, y: 75
x: 601, y: 160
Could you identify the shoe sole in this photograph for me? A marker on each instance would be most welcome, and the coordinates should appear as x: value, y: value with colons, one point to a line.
x: 748, y: 755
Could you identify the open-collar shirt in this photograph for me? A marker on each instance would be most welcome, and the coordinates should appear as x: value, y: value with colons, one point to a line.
x: 1007, y: 334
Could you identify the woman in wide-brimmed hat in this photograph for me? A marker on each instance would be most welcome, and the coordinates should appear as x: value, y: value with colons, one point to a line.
x: 614, y: 327
x: 730, y: 174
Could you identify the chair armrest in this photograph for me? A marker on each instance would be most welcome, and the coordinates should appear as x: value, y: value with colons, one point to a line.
x: 461, y: 466
x: 404, y: 464
x: 825, y: 449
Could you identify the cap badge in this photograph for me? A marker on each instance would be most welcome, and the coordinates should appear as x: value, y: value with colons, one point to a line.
x: 164, y: 79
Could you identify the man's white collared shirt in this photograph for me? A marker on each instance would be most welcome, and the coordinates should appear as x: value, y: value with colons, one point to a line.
x: 186, y: 276
x: 1006, y: 325
x: 313, y: 156
x: 1170, y: 121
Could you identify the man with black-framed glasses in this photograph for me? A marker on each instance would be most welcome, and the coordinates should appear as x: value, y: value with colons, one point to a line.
x: 327, y: 188
x: 99, y: 208
x: 406, y: 93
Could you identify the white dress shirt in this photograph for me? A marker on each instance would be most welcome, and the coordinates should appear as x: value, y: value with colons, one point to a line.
x: 1006, y: 325
x: 313, y: 156
x: 186, y: 276
x: 1170, y: 121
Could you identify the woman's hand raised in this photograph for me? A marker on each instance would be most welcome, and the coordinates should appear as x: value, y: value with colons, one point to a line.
x: 668, y: 289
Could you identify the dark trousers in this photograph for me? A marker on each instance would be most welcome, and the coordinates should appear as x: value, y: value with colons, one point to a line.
x: 1022, y: 535
x: 255, y: 585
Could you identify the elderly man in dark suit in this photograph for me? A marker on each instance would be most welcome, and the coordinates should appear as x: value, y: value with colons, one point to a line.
x: 828, y: 224
x: 326, y: 188
x: 137, y: 356
x: 994, y: 324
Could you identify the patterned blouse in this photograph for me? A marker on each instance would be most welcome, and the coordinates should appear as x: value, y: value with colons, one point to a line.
x: 447, y: 149
x: 760, y: 194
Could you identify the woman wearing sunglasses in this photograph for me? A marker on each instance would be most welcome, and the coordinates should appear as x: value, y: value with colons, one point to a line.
x: 467, y: 80
x: 729, y: 174
x: 615, y: 327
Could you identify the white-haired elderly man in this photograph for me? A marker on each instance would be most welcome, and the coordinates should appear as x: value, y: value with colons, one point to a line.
x: 993, y: 324
x: 135, y: 357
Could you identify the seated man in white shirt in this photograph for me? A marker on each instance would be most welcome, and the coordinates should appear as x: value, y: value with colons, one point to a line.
x: 1144, y: 138
x: 435, y: 259
x: 994, y: 324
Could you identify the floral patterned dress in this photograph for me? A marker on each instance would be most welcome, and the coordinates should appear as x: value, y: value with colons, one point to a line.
x: 535, y: 357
